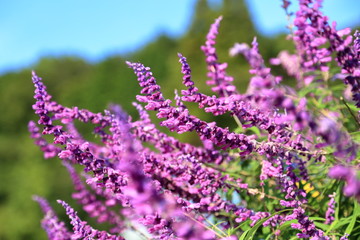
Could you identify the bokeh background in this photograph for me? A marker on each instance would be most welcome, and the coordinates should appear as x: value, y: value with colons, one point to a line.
x: 79, y: 48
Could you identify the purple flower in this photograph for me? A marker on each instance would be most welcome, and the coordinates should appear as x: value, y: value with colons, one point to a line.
x: 331, y: 209
x: 82, y: 230
x: 173, y: 188
x: 352, y: 186
x: 55, y: 229
x: 216, y: 70
x: 340, y: 172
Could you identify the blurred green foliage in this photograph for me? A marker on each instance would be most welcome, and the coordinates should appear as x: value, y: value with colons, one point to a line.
x: 74, y: 82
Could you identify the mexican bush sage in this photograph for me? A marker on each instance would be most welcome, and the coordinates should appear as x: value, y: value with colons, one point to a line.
x: 289, y: 169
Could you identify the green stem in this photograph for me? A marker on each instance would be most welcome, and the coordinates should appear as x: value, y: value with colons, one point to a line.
x: 352, y: 114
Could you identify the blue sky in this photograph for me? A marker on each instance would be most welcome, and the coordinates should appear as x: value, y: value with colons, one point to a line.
x: 96, y: 29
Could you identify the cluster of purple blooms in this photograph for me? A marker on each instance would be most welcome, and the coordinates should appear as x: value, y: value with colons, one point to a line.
x: 173, y: 189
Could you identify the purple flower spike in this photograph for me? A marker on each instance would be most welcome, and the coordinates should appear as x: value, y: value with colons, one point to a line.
x: 93, y: 206
x: 340, y: 172
x: 84, y: 231
x: 331, y: 209
x: 55, y: 229
x: 352, y: 186
x: 137, y: 174
x: 49, y: 150
x: 216, y: 70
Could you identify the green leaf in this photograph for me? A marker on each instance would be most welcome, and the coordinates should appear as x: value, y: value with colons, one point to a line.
x: 332, y: 226
x: 269, y: 236
x: 255, y: 130
x: 319, y: 224
x: 337, y: 87
x: 317, y: 219
x: 287, y: 224
x: 323, y: 226
x: 243, y: 235
x: 337, y: 224
x: 357, y: 228
x: 337, y: 200
x: 353, y: 107
x: 253, y: 230
x: 355, y: 136
x: 230, y: 231
x: 233, y: 230
x: 283, y: 226
x: 356, y: 213
x: 216, y: 224
x: 239, y: 129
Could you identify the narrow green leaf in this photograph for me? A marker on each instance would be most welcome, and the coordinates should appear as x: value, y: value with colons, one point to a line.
x: 353, y: 107
x: 317, y: 219
x: 269, y: 236
x: 243, y: 235
x: 355, y: 136
x: 230, y: 231
x: 323, y: 226
x: 337, y: 200
x: 355, y: 214
x: 255, y: 130
x: 332, y: 226
x: 337, y: 224
x: 215, y: 225
x: 253, y: 230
